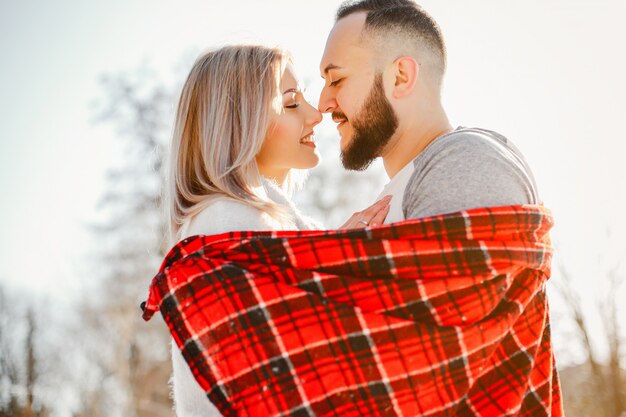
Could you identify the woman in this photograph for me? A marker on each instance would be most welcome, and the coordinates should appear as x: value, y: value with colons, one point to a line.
x: 242, y: 127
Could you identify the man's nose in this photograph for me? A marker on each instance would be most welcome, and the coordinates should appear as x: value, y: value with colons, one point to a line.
x: 326, y: 102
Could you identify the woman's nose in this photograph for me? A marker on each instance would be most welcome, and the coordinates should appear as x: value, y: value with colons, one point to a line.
x: 315, y: 116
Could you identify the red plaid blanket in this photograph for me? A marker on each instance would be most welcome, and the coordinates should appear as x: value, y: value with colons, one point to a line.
x: 442, y: 316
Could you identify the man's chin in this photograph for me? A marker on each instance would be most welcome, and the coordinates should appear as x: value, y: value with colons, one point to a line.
x: 345, y: 136
x: 344, y: 143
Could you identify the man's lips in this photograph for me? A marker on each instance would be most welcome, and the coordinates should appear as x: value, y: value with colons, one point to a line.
x: 340, y: 122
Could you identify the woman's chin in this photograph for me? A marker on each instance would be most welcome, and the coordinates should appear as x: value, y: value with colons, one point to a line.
x: 311, y: 162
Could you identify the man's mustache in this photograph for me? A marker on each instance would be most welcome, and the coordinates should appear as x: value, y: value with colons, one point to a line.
x: 338, y: 116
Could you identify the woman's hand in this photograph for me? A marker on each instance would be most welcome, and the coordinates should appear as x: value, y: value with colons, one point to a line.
x: 372, y: 216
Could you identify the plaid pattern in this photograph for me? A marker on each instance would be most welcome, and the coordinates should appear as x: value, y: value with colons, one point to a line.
x: 441, y: 316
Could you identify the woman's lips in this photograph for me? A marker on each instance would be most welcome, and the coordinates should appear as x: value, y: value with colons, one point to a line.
x: 308, y: 140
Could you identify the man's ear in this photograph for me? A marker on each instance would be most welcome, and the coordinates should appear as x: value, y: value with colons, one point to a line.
x: 406, y: 71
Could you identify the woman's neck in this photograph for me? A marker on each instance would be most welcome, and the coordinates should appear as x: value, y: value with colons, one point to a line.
x: 276, y: 175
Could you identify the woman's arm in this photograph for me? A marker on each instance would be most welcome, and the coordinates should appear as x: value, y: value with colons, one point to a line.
x: 220, y: 217
x: 189, y: 399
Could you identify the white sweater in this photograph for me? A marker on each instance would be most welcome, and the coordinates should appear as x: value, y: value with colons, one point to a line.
x: 223, y: 215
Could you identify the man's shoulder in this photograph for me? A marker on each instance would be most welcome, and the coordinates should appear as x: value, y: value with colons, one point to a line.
x: 462, y: 142
x: 472, y: 150
x: 468, y: 168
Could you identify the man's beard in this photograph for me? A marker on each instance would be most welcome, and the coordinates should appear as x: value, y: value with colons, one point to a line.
x: 374, y: 125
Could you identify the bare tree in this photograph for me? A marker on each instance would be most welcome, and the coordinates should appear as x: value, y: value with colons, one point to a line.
x: 9, y: 371
x: 614, y: 376
x: 129, y: 359
x: 19, y: 358
x: 596, y: 387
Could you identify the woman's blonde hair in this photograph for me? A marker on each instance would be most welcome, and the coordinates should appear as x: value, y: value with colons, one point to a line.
x: 223, y: 116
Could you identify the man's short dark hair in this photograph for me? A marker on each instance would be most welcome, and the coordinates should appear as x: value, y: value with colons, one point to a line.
x: 401, y: 17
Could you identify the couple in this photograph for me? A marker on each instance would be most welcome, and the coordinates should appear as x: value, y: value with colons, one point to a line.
x: 243, y: 126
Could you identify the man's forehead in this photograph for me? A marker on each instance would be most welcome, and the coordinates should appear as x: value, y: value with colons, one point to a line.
x: 343, y: 41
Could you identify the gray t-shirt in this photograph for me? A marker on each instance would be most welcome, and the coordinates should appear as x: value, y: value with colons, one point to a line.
x: 465, y: 169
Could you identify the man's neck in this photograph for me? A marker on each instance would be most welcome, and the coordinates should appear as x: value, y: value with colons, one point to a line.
x: 412, y: 140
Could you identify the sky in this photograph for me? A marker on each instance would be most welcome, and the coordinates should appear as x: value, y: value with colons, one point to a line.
x: 548, y: 74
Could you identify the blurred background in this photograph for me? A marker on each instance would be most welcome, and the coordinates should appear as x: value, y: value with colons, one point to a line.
x: 87, y: 97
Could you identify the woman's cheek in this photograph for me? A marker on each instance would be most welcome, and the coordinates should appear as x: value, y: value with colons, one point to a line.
x: 289, y: 129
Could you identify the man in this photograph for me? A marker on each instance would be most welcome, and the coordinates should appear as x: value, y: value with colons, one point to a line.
x: 384, y: 65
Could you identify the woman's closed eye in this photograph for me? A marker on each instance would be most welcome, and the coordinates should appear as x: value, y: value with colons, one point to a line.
x: 294, y: 99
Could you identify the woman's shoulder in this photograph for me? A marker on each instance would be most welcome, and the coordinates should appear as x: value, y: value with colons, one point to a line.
x: 225, y: 214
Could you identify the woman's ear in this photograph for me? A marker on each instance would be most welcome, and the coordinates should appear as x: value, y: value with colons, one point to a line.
x: 406, y: 71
